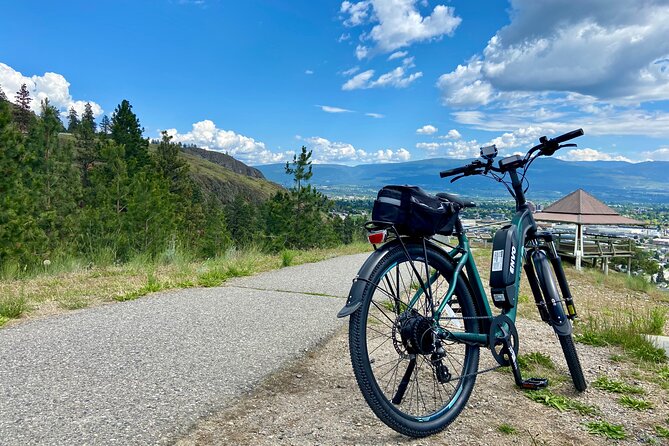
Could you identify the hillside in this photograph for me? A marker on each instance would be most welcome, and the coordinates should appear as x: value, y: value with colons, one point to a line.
x: 224, y: 183
x: 549, y: 179
x: 224, y: 160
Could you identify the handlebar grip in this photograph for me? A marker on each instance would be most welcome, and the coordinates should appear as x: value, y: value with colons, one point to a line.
x: 567, y: 136
x: 451, y: 172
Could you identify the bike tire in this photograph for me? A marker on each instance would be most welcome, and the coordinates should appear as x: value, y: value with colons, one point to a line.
x: 366, y: 368
x: 571, y: 356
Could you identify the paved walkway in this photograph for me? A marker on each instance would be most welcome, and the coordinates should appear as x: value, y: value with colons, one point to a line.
x: 143, y: 372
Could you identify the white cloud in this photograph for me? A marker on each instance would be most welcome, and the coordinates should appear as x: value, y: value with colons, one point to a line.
x: 344, y: 37
x: 351, y: 71
x: 375, y: 115
x: 397, y: 78
x: 358, y: 12
x: 453, y: 134
x: 591, y: 155
x: 50, y: 85
x: 398, y: 55
x: 361, y: 51
x: 661, y: 154
x: 427, y: 130
x: 399, y: 23
x: 614, y: 51
x: 329, y: 109
x: 326, y: 151
x: 308, y: 72
x: 206, y: 135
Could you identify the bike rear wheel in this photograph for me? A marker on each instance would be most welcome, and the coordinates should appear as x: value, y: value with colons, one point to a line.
x: 410, y: 385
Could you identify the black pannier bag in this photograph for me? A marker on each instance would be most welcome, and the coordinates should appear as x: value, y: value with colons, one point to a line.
x: 414, y: 212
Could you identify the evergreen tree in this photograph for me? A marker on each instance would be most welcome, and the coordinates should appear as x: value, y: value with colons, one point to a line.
x: 88, y: 150
x: 23, y: 113
x: 105, y: 125
x: 300, y: 168
x: 72, y: 120
x: 88, y: 118
x: 173, y: 168
x: 3, y: 96
x: 20, y: 237
x: 126, y: 131
x: 57, y: 180
x: 242, y: 221
x: 214, y: 238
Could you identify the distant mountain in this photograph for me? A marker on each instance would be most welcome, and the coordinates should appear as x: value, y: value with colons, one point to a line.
x: 549, y: 179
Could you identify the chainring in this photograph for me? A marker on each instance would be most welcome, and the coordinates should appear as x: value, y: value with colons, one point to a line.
x: 502, y: 328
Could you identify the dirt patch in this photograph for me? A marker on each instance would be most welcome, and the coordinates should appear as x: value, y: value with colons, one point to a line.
x: 317, y: 401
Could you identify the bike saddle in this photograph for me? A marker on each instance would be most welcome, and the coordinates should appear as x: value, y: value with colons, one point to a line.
x: 456, y: 199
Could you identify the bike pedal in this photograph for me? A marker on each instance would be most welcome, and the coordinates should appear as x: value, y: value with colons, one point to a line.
x: 534, y: 384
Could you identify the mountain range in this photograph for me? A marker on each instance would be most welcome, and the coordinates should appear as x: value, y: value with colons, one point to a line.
x: 548, y: 179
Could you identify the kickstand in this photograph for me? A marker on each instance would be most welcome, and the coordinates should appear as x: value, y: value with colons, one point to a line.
x: 527, y: 384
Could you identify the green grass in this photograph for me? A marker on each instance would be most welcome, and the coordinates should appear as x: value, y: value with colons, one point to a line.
x: 626, y: 331
x: 613, y: 386
x: 634, y: 403
x: 73, y: 283
x: 535, y: 359
x: 506, y: 428
x: 636, y: 283
x: 287, y: 257
x: 606, y: 429
x: 560, y: 402
x: 662, y: 431
x: 13, y: 306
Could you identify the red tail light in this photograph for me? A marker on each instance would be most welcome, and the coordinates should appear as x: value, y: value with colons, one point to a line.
x: 377, y: 237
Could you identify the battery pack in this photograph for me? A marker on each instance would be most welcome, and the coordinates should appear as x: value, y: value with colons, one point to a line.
x: 503, y: 267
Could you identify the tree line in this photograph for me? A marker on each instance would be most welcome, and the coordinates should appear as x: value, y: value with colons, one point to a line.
x: 100, y: 191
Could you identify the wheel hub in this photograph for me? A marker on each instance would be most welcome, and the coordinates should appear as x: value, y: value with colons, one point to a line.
x: 416, y: 333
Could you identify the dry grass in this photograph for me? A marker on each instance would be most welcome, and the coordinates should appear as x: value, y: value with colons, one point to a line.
x: 65, y: 288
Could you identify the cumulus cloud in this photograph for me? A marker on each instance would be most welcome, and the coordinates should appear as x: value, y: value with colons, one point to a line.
x: 427, y: 130
x: 399, y: 23
x: 351, y: 71
x: 591, y: 155
x: 326, y: 151
x: 329, y: 109
x: 453, y: 134
x: 206, y: 135
x: 661, y: 154
x: 614, y: 51
x: 309, y: 72
x: 398, y: 78
x: 53, y: 86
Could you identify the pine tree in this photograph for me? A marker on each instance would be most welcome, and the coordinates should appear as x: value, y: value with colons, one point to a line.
x: 88, y: 118
x: 105, y: 125
x: 173, y: 168
x: 300, y: 168
x: 87, y: 153
x: 126, y: 131
x: 72, y: 120
x: 20, y: 237
x: 23, y: 114
x: 56, y: 179
x: 3, y: 96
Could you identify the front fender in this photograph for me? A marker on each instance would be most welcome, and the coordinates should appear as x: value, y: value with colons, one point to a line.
x: 354, y: 299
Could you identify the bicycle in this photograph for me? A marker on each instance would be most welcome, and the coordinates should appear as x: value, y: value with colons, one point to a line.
x: 419, y: 312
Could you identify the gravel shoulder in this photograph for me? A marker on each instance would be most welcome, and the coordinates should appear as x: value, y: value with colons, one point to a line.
x: 316, y: 401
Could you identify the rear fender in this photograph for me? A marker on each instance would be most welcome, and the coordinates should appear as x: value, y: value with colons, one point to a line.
x: 354, y: 299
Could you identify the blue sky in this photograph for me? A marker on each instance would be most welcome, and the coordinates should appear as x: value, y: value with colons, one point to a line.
x: 357, y: 81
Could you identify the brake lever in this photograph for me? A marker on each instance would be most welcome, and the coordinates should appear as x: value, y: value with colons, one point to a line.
x: 454, y: 179
x: 567, y: 145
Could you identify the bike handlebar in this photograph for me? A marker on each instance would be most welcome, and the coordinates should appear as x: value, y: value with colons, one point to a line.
x: 547, y: 147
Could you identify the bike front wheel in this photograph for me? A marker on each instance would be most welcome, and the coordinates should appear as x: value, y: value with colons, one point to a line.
x: 414, y: 382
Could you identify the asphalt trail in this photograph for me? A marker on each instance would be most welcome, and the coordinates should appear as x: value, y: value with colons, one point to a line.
x: 143, y: 372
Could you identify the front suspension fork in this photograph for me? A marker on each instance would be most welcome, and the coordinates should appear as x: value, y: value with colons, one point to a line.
x: 546, y: 293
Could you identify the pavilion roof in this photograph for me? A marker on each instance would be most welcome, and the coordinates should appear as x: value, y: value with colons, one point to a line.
x: 579, y: 207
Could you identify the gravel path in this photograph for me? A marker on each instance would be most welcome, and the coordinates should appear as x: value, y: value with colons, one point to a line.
x: 143, y: 372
